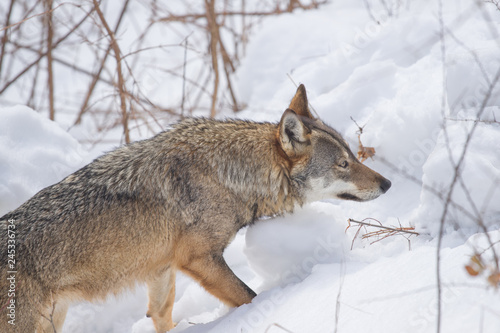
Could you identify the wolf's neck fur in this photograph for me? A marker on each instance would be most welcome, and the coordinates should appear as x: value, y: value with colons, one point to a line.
x: 245, y: 157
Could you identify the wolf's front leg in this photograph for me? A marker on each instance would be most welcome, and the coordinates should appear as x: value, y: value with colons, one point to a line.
x: 161, y: 290
x: 212, y: 272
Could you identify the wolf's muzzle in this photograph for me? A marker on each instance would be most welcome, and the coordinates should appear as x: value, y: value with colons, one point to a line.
x: 385, y: 185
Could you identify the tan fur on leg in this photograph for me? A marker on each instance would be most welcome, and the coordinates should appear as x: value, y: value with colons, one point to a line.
x: 161, y: 290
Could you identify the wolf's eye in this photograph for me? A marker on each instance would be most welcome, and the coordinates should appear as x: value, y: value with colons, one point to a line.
x: 344, y: 164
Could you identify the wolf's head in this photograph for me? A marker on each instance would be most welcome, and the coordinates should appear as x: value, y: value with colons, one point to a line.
x: 321, y: 163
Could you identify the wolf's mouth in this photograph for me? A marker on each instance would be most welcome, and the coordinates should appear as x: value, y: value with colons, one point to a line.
x: 347, y: 196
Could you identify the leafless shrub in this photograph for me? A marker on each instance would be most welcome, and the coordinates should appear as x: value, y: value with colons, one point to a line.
x: 381, y: 232
x: 94, y: 65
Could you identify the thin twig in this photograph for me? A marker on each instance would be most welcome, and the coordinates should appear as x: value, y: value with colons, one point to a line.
x: 214, y: 37
x: 446, y: 204
x: 471, y: 52
x: 51, y: 315
x: 121, y: 82
x: 494, y: 2
x: 42, y: 55
x: 475, y: 120
x: 97, y: 75
x: 50, y: 70
x: 5, y: 37
x: 278, y: 326
x: 403, y: 230
x: 339, y: 293
x: 228, y: 69
x: 381, y: 234
x: 369, y: 10
x: 36, y: 15
x: 184, y: 77
x: 189, y: 18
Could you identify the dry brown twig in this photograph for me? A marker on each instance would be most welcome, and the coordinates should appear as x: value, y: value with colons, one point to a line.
x: 383, y: 232
x: 363, y: 152
x: 121, y: 81
x: 5, y: 36
x: 50, y: 72
x: 50, y: 318
x: 213, y: 30
x: 494, y: 121
x: 41, y: 55
x: 7, y: 27
x: 97, y: 76
x: 190, y: 18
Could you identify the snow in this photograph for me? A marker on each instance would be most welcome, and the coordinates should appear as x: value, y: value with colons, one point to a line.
x: 480, y: 171
x: 389, y: 78
x: 34, y: 153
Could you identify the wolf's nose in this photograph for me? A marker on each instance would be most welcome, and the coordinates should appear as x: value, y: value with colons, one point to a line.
x: 385, y: 185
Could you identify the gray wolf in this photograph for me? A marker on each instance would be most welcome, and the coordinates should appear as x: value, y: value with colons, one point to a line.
x: 169, y: 203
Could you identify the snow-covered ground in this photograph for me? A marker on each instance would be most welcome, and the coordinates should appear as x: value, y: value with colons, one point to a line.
x: 389, y: 77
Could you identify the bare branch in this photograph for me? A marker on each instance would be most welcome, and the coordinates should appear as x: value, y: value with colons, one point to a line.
x: 189, y: 18
x: 36, y: 15
x: 42, y: 55
x: 121, y: 82
x: 213, y: 30
x: 5, y: 36
x: 408, y: 230
x: 496, y: 3
x: 339, y: 293
x: 97, y: 75
x: 382, y: 233
x: 50, y: 71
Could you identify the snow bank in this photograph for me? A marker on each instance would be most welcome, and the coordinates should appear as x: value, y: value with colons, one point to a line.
x: 284, y: 250
x: 397, y: 294
x: 479, y: 189
x: 34, y: 153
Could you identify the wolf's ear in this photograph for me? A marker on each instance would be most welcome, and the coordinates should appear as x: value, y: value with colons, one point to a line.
x: 294, y: 136
x: 299, y: 103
